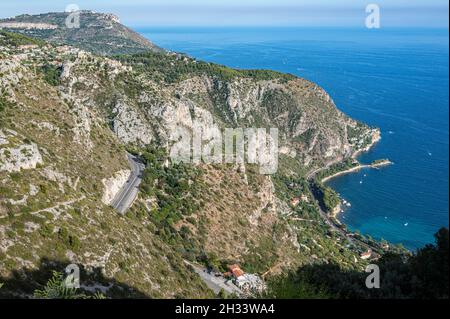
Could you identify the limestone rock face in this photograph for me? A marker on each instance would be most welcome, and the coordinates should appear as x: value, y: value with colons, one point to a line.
x: 129, y: 126
x: 267, y: 202
x: 142, y: 110
x: 21, y: 157
x: 27, y: 26
x: 113, y: 185
x: 15, y: 157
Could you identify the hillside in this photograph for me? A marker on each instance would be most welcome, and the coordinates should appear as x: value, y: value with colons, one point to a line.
x: 67, y: 118
x: 99, y: 33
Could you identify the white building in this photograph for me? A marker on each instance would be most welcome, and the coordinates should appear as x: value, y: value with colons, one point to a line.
x: 250, y: 282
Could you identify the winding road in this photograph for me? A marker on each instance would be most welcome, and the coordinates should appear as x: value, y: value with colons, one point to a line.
x: 126, y: 196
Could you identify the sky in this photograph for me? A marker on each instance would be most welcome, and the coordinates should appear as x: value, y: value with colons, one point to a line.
x: 315, y: 13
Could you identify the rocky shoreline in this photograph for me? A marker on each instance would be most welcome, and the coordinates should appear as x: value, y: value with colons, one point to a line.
x: 336, y: 211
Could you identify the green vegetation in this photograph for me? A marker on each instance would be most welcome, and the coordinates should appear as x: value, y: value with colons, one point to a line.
x: 173, y: 68
x: 424, y: 275
x: 292, y: 286
x: 51, y: 74
x: 288, y: 188
x: 260, y: 257
x: 380, y: 161
x: 56, y: 289
x: 173, y: 187
x: 16, y: 39
x: 328, y: 198
x: 355, y: 133
x: 175, y: 191
x: 71, y: 241
x: 3, y: 104
x: 337, y: 168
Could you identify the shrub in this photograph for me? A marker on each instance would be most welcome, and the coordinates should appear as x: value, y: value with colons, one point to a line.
x: 52, y: 74
x: 56, y: 289
x: 46, y: 231
x: 71, y: 241
x: 15, y: 39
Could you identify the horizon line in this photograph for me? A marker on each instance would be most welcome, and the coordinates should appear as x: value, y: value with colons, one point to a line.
x: 284, y: 26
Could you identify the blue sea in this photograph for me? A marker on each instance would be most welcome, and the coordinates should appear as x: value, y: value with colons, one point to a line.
x: 394, y: 79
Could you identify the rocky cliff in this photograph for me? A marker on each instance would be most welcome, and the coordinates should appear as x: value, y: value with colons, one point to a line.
x: 67, y: 116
